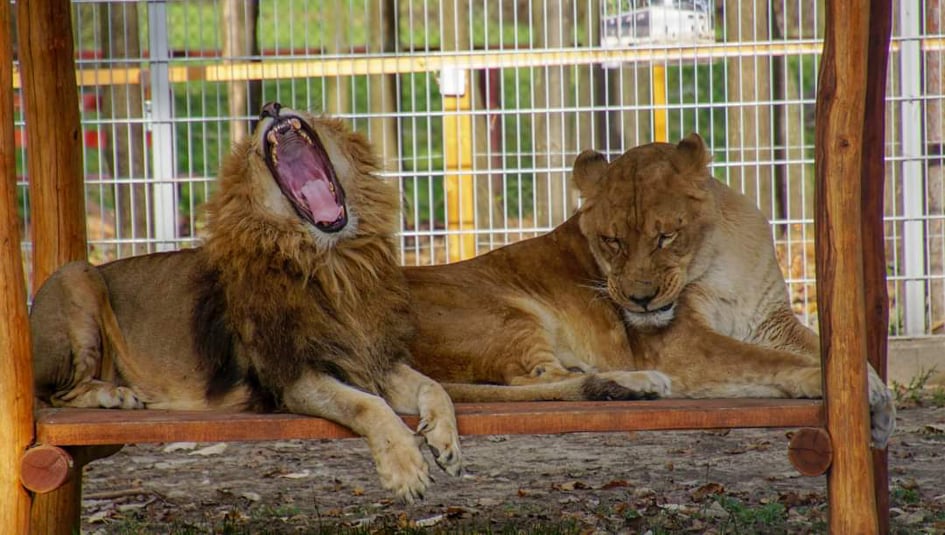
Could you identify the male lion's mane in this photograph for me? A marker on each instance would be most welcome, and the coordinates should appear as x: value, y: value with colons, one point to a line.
x: 347, y: 320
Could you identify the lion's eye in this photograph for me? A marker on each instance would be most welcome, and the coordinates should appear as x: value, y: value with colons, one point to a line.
x: 666, y: 239
x: 612, y: 242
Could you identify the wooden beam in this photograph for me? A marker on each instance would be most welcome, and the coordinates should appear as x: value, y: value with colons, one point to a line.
x: 53, y: 134
x: 876, y: 298
x: 16, y: 371
x: 841, y: 97
x: 80, y: 427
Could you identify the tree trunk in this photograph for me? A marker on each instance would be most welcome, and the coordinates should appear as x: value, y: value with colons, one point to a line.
x: 123, y: 104
x: 337, y: 88
x: 551, y: 94
x: 240, y: 44
x: 382, y: 129
x: 749, y: 116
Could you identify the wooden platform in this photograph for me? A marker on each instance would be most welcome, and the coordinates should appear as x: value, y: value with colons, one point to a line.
x: 87, y: 427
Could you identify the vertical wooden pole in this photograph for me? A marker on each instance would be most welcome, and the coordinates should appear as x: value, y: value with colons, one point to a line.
x: 841, y: 98
x: 53, y: 134
x: 874, y: 246
x: 16, y: 371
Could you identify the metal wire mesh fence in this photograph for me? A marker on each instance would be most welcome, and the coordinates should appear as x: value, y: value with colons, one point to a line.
x: 478, y: 108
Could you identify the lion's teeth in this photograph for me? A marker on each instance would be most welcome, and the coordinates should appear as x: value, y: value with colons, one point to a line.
x: 295, y: 123
x: 272, y: 137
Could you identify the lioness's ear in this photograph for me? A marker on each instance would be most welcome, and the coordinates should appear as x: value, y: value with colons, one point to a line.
x: 589, y: 167
x: 691, y: 153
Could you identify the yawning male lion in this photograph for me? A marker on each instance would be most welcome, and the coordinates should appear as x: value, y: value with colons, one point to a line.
x: 294, y: 302
x: 664, y: 273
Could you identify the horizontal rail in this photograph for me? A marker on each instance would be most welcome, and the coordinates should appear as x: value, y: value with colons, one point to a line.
x: 84, y: 427
x: 414, y: 62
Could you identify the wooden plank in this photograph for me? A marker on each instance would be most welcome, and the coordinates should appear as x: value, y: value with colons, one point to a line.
x: 16, y: 371
x: 76, y: 427
x: 53, y: 148
x: 841, y: 97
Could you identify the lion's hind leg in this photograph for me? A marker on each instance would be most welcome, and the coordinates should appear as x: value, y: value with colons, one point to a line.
x: 76, y: 339
x: 412, y: 392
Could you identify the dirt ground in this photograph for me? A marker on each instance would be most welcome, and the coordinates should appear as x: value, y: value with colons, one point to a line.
x: 738, y: 481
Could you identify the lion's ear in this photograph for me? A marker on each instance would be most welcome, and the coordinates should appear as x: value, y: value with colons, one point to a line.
x: 589, y: 168
x: 692, y: 154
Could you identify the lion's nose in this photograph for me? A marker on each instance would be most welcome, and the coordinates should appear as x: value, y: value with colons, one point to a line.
x: 270, y: 109
x: 642, y: 301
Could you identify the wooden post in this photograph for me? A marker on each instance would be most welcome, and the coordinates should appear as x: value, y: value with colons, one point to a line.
x: 53, y: 134
x: 16, y: 371
x: 874, y: 246
x: 841, y: 101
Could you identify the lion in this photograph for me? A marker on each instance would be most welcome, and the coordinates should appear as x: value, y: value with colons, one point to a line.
x: 294, y: 302
x: 664, y: 282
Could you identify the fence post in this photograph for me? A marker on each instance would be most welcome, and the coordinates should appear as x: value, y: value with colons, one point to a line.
x: 913, y: 191
x: 16, y: 372
x: 53, y: 134
x: 841, y: 105
x: 162, y: 130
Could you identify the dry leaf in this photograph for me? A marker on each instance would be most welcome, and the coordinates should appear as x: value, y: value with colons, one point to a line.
x: 216, y: 449
x: 709, y: 489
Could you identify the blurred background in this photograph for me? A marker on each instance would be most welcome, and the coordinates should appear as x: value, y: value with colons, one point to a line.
x: 478, y: 108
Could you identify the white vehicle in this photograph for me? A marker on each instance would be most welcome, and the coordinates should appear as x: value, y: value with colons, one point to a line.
x: 633, y: 22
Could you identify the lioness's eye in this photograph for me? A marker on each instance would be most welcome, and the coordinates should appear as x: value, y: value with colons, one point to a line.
x: 611, y: 242
x: 666, y: 239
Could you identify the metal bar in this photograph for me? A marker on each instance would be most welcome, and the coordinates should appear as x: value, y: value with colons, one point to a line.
x: 163, y: 158
x: 913, y: 180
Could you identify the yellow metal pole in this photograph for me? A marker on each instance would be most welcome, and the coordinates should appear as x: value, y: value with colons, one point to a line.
x: 460, y: 211
x: 658, y: 75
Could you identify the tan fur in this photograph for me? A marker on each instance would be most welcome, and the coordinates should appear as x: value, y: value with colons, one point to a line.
x: 270, y: 313
x: 665, y: 281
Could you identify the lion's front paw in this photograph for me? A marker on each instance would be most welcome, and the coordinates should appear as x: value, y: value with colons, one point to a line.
x: 442, y: 438
x: 623, y: 385
x: 401, y: 467
x: 882, y: 411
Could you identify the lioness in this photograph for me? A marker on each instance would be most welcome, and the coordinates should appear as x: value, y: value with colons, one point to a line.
x: 295, y: 302
x: 662, y: 268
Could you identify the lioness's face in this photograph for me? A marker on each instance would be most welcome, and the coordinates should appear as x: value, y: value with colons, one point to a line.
x: 644, y: 217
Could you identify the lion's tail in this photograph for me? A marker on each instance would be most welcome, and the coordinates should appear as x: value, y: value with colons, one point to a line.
x: 114, y: 348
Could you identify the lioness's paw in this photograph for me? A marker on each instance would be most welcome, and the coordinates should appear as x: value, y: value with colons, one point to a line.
x: 882, y: 411
x: 442, y: 438
x: 625, y: 385
x: 401, y: 467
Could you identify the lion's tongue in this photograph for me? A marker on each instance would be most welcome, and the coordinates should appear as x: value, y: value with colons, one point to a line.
x: 321, y: 201
x: 303, y: 166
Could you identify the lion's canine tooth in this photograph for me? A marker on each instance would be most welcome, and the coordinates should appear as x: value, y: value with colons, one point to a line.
x: 272, y: 137
x: 295, y: 123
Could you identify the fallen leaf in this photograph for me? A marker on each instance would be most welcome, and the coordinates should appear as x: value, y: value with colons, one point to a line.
x: 297, y: 475
x: 357, y: 491
x: 429, y: 522
x: 177, y: 446
x: 251, y: 496
x: 216, y: 449
x: 100, y: 516
x: 935, y: 428
x: 617, y: 483
x: 568, y: 486
x: 709, y: 489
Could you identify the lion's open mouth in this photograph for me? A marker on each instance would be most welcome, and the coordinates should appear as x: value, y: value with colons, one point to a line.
x: 301, y: 166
